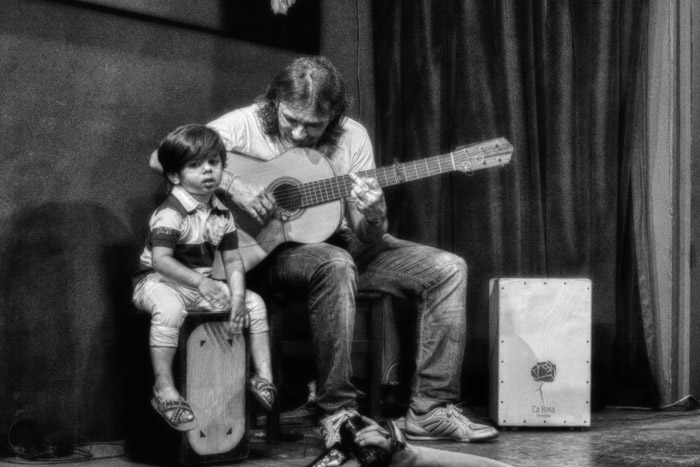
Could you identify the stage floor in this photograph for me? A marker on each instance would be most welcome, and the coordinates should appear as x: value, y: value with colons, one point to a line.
x: 615, y: 438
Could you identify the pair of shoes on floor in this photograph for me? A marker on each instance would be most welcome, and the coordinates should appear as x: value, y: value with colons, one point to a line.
x: 264, y: 391
x: 446, y: 423
x: 329, y: 426
x: 175, y: 412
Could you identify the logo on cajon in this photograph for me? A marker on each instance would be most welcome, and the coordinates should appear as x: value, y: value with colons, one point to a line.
x: 543, y: 372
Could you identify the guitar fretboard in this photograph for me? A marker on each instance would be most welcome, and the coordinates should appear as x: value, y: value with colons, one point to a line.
x: 322, y: 191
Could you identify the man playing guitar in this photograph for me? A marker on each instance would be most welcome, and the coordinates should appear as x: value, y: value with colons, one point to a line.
x: 304, y: 108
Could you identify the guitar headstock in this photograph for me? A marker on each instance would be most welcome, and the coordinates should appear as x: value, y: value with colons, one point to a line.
x: 491, y: 153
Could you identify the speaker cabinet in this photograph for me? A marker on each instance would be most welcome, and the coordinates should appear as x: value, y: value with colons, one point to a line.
x: 540, y: 352
x: 212, y: 370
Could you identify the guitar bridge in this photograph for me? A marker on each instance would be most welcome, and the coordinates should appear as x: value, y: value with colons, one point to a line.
x: 282, y: 214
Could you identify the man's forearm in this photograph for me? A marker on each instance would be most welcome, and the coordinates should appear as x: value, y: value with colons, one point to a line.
x: 227, y: 182
x: 154, y: 163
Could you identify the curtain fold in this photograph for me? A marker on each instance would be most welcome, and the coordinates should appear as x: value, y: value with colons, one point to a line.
x: 563, y: 82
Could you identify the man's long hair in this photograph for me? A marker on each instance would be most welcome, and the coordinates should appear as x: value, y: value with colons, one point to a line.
x: 307, y: 83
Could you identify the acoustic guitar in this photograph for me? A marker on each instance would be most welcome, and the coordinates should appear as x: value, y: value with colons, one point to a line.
x: 310, y: 196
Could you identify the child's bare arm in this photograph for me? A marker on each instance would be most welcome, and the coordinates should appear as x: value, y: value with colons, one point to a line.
x: 165, y: 264
x: 235, y: 276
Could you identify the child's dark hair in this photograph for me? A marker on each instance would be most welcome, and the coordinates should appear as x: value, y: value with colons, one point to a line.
x: 189, y: 143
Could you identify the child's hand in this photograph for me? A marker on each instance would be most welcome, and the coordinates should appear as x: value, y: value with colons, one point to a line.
x: 215, y: 292
x: 238, y: 318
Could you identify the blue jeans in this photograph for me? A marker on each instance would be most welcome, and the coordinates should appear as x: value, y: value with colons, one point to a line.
x: 329, y: 275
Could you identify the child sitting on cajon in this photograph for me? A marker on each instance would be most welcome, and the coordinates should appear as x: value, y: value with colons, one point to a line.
x: 186, y: 232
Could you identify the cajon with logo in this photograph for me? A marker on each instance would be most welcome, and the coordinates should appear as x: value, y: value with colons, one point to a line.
x: 212, y: 367
x: 540, y: 352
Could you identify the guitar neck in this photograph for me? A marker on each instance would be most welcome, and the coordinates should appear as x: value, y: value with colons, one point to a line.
x: 331, y: 189
x: 410, y: 171
x: 467, y: 159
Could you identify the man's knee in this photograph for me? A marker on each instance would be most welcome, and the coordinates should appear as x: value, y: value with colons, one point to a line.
x: 451, y: 265
x: 335, y: 263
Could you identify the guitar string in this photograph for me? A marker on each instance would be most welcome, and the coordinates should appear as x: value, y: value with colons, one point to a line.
x: 319, y: 191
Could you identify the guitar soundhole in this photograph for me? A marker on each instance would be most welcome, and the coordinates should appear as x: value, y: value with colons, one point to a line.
x: 288, y: 196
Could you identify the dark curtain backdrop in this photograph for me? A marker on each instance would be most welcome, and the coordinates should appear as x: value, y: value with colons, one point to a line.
x: 563, y: 82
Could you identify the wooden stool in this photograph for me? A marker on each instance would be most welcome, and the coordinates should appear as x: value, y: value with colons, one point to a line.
x: 374, y: 327
x: 212, y: 371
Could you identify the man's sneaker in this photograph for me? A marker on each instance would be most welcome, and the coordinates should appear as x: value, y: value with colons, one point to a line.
x: 446, y: 423
x: 330, y: 426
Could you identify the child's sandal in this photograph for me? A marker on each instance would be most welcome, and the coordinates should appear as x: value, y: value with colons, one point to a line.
x: 264, y: 391
x: 172, y: 412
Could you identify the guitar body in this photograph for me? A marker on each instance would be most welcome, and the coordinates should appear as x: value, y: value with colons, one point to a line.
x: 310, y: 195
x: 307, y: 225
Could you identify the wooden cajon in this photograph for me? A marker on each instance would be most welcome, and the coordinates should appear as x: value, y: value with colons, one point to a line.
x: 540, y: 352
x: 213, y: 375
x: 211, y: 369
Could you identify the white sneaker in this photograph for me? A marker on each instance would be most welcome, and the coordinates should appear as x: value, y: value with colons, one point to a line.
x: 446, y: 423
x: 330, y: 426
